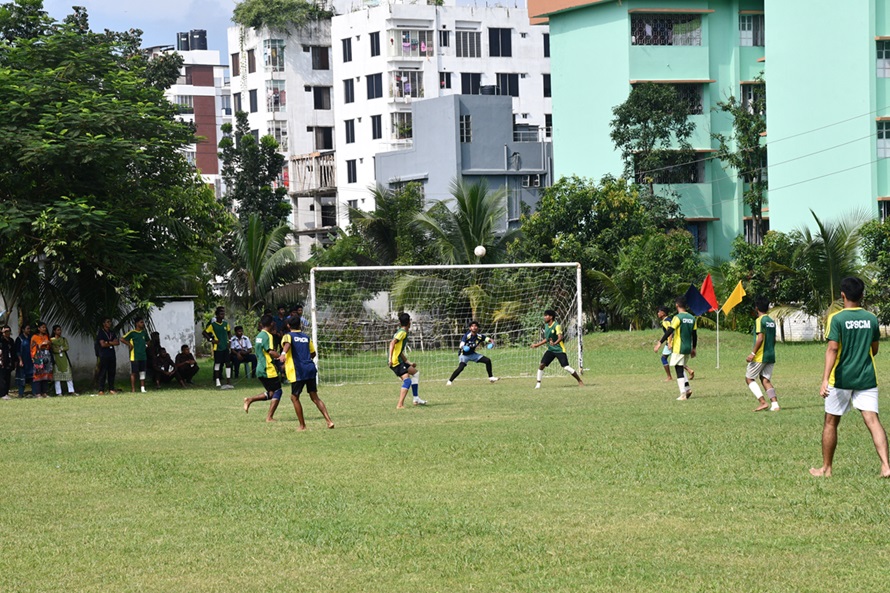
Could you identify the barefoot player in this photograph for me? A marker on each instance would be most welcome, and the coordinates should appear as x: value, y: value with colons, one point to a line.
x: 265, y: 370
x: 763, y: 357
x: 297, y: 353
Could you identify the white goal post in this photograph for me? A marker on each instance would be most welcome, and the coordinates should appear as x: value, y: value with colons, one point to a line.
x: 354, y: 315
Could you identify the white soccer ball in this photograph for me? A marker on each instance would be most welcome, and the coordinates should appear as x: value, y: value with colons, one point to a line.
x: 479, y: 251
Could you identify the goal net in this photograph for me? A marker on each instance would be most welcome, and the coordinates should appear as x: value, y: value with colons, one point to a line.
x: 354, y: 315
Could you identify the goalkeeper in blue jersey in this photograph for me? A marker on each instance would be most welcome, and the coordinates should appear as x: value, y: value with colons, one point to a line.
x: 467, y: 352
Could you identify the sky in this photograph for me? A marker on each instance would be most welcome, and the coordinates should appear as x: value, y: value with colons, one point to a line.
x: 159, y: 20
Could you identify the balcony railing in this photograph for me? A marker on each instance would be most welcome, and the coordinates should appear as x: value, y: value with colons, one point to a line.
x: 314, y: 172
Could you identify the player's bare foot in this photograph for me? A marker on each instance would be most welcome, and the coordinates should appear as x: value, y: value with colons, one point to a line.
x: 400, y: 407
x: 580, y: 383
x: 691, y: 374
x: 330, y: 425
x: 820, y: 472
x: 270, y: 419
x: 301, y: 428
x: 668, y: 380
x: 761, y: 407
x: 246, y: 404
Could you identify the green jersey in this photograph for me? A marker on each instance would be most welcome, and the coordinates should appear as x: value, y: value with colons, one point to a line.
x: 854, y: 330
x: 139, y: 340
x: 552, y: 332
x: 222, y: 331
x: 684, y: 325
x: 767, y: 351
x: 264, y: 365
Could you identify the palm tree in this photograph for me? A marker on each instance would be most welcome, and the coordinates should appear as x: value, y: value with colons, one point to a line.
x: 388, y: 229
x: 475, y: 220
x: 262, y: 266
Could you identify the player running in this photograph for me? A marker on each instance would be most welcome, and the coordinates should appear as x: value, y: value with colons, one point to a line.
x: 398, y: 362
x: 467, y: 352
x: 684, y: 333
x: 763, y: 357
x: 218, y: 332
x: 556, y: 348
x: 265, y: 370
x: 297, y: 354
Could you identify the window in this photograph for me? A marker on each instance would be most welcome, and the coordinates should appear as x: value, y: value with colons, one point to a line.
x: 470, y: 83
x: 278, y: 130
x: 324, y: 138
x: 407, y: 84
x: 328, y: 215
x: 273, y: 54
x: 320, y: 60
x: 466, y: 129
x: 351, y: 171
x: 353, y: 204
x: 699, y: 232
x: 375, y: 86
x: 350, y: 131
x: 883, y: 59
x: 225, y: 103
x: 546, y: 45
x: 665, y: 29
x: 531, y: 181
x: 251, y: 61
x: 499, y: 43
x: 276, y: 95
x: 469, y: 44
x: 191, y: 156
x: 508, y: 84
x: 376, y: 127
x: 884, y: 210
x: 347, y: 49
x: 444, y: 80
x: 236, y: 64
x: 375, y: 43
x: 348, y: 91
x: 749, y: 229
x: 548, y: 125
x: 411, y: 43
x: 252, y: 96
x: 444, y: 38
x: 546, y: 85
x: 751, y: 31
x: 754, y: 97
x: 401, y: 126
x: 322, y: 97
x: 185, y: 103
x: 674, y: 168
x: 236, y: 101
x: 883, y: 139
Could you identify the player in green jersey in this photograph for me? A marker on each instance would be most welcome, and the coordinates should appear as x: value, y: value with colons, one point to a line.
x: 684, y: 333
x: 556, y: 348
x: 763, y: 357
x: 850, y: 378
x: 266, y: 372
x: 218, y: 332
x: 137, y: 341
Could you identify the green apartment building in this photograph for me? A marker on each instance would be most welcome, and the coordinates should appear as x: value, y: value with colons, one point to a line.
x: 827, y: 69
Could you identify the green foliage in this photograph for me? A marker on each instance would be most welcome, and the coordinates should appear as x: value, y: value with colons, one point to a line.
x: 251, y: 171
x: 472, y: 218
x: 651, y: 129
x: 389, y: 232
x: 101, y: 213
x: 744, y: 151
x: 279, y: 15
x: 876, y: 251
x: 652, y: 270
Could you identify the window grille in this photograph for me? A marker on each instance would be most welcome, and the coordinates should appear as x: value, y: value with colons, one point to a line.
x: 469, y: 44
x: 273, y: 54
x: 466, y: 129
x: 751, y: 30
x: 666, y: 29
x: 407, y: 84
x: 401, y: 126
x: 883, y: 139
x: 411, y: 43
x: 276, y: 95
x: 883, y: 59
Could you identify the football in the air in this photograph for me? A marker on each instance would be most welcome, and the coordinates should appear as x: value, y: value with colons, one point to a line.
x: 479, y: 251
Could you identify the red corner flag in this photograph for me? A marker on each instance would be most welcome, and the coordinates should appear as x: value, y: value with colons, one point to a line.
x: 707, y: 291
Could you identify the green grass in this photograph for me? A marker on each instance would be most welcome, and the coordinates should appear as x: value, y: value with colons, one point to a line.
x: 614, y: 487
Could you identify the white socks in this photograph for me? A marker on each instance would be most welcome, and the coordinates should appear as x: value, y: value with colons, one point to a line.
x: 755, y: 389
x: 683, y: 384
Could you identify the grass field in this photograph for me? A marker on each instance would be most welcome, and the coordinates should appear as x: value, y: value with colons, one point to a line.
x: 613, y: 487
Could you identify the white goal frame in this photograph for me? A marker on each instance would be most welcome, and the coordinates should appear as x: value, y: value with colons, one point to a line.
x: 579, y: 309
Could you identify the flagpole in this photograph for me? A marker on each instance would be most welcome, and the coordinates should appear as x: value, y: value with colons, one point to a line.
x: 718, y: 338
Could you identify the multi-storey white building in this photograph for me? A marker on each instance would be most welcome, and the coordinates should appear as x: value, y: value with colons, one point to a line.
x: 388, y: 54
x: 284, y: 82
x: 203, y: 95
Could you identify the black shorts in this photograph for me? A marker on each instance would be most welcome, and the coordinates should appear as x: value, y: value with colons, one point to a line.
x: 271, y: 385
x: 220, y: 357
x: 296, y: 388
x: 560, y: 356
x: 400, y: 369
x: 138, y: 366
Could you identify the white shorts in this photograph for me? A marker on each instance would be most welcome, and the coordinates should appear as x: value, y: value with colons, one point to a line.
x: 756, y: 370
x: 666, y: 351
x: 838, y: 401
x: 678, y: 359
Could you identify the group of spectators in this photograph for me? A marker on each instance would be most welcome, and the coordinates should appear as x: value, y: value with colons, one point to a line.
x: 38, y: 359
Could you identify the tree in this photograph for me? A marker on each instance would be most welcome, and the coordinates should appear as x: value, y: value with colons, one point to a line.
x: 280, y: 15
x: 101, y: 211
x: 251, y: 171
x: 744, y: 151
x: 262, y: 268
x: 876, y: 250
x: 651, y: 129
x: 389, y: 231
x: 475, y: 220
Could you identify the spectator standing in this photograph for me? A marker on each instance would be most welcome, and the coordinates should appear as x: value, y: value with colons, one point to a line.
x: 106, y: 341
x: 24, y: 373
x: 8, y: 359
x: 42, y: 357
x: 62, y: 363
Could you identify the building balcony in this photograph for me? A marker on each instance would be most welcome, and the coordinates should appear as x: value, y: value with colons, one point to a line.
x: 314, y: 173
